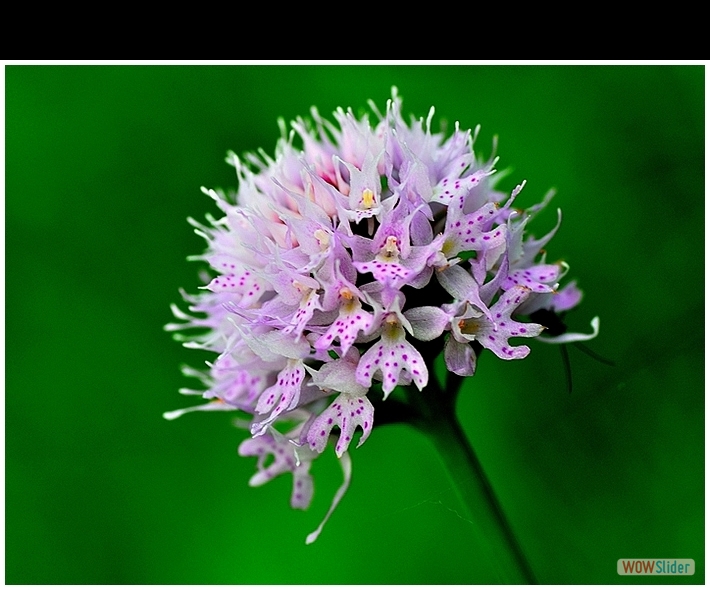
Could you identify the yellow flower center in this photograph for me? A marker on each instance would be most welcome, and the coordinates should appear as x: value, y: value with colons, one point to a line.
x: 368, y: 199
x: 323, y: 238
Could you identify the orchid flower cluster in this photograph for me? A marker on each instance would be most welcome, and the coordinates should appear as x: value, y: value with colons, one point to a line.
x: 343, y: 267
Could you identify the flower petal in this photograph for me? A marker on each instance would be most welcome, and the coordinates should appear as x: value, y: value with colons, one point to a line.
x: 459, y: 357
x: 428, y: 322
x: 347, y: 412
x: 395, y: 360
x: 573, y: 336
x: 346, y: 464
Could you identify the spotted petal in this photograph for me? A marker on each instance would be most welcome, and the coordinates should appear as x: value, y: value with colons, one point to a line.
x: 469, y: 232
x: 395, y: 360
x: 352, y: 320
x: 285, y: 458
x: 494, y: 336
x: 348, y: 411
x: 538, y: 278
x: 453, y: 188
x: 282, y: 395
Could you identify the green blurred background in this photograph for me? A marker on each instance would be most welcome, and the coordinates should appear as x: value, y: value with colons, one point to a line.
x: 104, y: 165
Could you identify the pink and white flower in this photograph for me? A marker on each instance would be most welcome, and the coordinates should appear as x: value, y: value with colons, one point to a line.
x: 342, y: 268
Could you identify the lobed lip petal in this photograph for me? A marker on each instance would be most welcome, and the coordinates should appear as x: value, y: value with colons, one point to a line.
x: 281, y: 396
x: 348, y: 411
x: 495, y: 337
x: 285, y: 458
x: 352, y: 320
x: 539, y: 278
x: 395, y: 360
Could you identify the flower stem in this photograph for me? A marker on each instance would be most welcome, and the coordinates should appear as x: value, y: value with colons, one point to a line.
x: 437, y: 418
